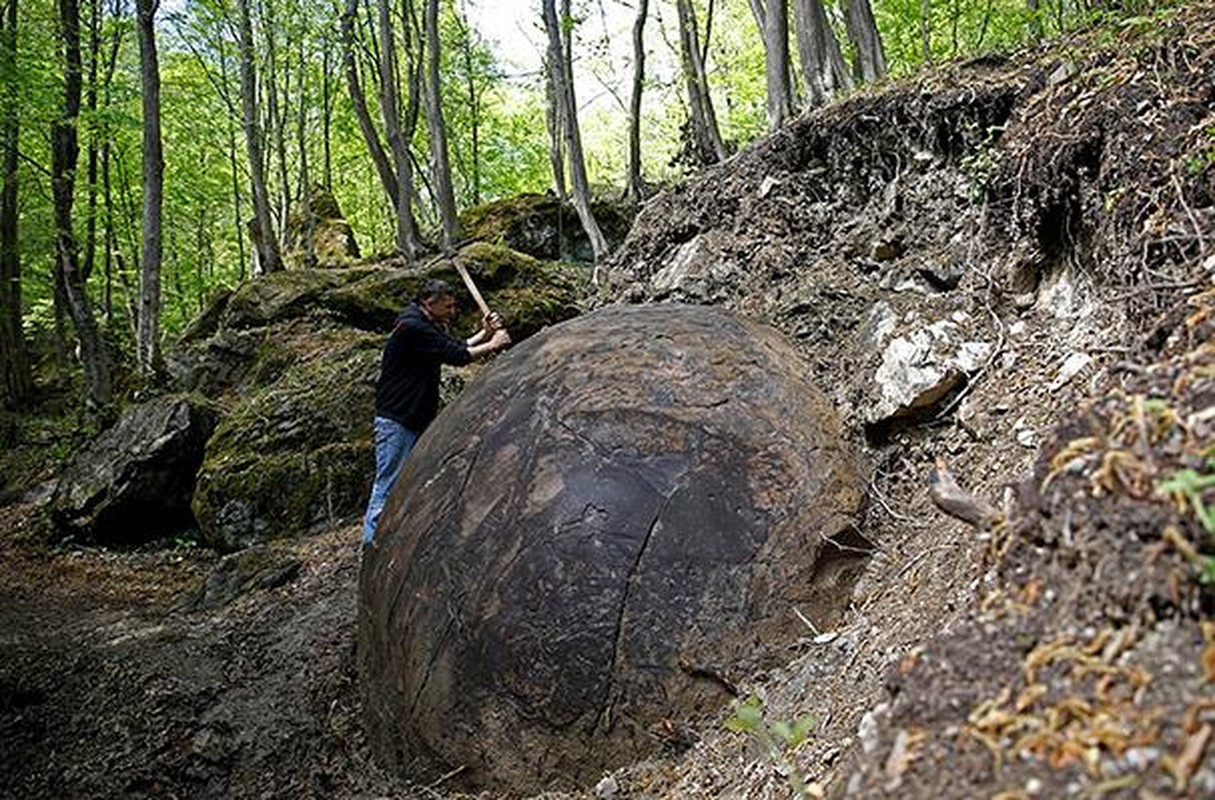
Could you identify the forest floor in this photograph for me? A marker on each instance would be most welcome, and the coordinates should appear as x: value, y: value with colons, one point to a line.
x: 1065, y: 650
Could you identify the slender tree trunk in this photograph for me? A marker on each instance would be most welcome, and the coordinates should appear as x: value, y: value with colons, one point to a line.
x: 563, y: 83
x: 556, y: 124
x: 234, y: 167
x: 474, y: 108
x: 276, y: 113
x: 634, y: 186
x: 326, y: 110
x: 16, y: 380
x: 148, y: 336
x: 358, y: 100
x: 863, y: 32
x: 445, y: 195
x: 109, y: 236
x: 90, y: 102
x: 305, y: 179
x: 709, y: 145
x: 65, y: 153
x: 775, y: 33
x: 111, y: 245
x: 268, y: 257
x: 398, y: 145
x: 823, y: 70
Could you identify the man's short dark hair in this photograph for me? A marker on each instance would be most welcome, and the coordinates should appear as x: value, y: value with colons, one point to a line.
x: 434, y: 289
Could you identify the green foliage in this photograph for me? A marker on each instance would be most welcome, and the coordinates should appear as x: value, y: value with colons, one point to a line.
x: 778, y: 738
x: 1190, y: 485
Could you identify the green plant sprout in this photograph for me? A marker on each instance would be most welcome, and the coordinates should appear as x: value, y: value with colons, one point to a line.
x: 778, y: 738
x: 1190, y: 484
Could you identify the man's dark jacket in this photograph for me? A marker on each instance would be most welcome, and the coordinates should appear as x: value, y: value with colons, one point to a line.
x: 408, y: 389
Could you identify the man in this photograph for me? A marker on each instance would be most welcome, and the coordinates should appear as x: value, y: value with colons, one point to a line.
x: 407, y: 393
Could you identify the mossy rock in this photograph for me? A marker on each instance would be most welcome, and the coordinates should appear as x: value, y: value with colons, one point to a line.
x: 540, y: 226
x: 530, y: 293
x: 256, y: 498
x: 281, y: 295
x: 298, y: 452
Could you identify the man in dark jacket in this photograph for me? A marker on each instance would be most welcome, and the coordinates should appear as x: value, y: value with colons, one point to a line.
x: 407, y: 393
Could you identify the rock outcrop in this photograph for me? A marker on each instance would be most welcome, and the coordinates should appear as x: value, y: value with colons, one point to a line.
x: 133, y: 483
x: 614, y: 523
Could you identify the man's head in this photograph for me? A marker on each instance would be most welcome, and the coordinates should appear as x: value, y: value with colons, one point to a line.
x: 438, y: 300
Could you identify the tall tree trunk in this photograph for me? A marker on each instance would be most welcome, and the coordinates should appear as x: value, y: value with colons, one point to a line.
x: 709, y: 145
x: 90, y: 103
x: 379, y: 157
x: 775, y: 32
x: 309, y: 230
x: 823, y: 70
x: 266, y: 241
x: 16, y: 380
x: 445, y: 195
x: 65, y: 153
x: 863, y: 32
x: 474, y: 108
x: 555, y: 123
x: 634, y: 185
x: 326, y: 110
x: 276, y: 112
x: 148, y: 336
x: 563, y: 82
x: 398, y: 145
x: 233, y: 166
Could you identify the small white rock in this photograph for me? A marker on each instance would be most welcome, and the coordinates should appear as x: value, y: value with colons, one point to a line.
x: 606, y: 788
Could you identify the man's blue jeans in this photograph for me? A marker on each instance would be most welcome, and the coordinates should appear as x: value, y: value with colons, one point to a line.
x: 393, y: 443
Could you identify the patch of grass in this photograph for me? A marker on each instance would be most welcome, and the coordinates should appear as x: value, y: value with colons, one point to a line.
x: 1187, y: 488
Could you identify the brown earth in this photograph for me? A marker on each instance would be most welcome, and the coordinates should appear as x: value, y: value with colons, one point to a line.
x: 1064, y: 203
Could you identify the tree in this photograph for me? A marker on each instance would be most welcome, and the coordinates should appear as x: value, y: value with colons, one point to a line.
x: 445, y: 195
x: 703, y: 120
x: 633, y: 188
x: 151, y: 252
x: 265, y: 241
x: 358, y: 101
x: 863, y: 32
x: 822, y: 63
x: 398, y: 142
x: 774, y: 28
x: 560, y: 64
x: 65, y: 152
x: 16, y: 383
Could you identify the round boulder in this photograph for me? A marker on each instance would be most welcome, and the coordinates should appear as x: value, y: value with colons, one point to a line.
x: 615, y: 523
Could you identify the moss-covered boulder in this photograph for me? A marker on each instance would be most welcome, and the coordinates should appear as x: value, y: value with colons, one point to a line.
x: 541, y: 226
x: 319, y: 236
x: 297, y: 452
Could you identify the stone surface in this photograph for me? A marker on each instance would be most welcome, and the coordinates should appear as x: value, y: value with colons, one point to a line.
x: 611, y: 527
x: 923, y: 368
x: 538, y: 225
x: 252, y: 569
x: 133, y: 482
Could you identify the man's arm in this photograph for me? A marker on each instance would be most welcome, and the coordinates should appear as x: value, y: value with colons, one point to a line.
x: 499, y: 340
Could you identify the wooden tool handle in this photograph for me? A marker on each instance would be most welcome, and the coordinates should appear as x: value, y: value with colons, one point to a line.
x: 472, y: 287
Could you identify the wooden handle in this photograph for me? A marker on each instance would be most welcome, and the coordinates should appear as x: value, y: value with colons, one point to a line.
x: 472, y: 287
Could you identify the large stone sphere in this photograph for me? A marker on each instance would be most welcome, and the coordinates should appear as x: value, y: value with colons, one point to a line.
x: 617, y: 522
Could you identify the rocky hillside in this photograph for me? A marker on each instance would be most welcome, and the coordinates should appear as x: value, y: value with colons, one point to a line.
x: 1002, y: 275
